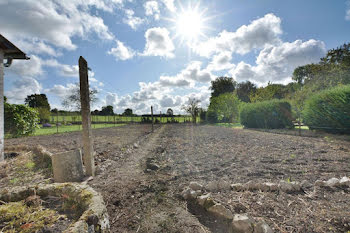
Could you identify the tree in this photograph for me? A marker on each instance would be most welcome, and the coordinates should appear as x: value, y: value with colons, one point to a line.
x: 169, y: 112
x: 41, y: 104
x: 107, y: 110
x: 192, y: 108
x: 37, y: 101
x: 226, y: 107
x: 222, y: 85
x: 128, y: 112
x: 244, y: 90
x: 271, y: 91
x: 338, y: 56
x: 73, y: 99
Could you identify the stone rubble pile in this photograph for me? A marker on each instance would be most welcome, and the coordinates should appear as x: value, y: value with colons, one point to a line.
x: 239, y: 223
x: 344, y: 182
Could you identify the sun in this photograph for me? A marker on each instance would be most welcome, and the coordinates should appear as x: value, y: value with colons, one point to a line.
x: 190, y: 24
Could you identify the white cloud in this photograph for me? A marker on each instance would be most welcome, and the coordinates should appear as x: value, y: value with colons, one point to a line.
x: 60, y: 90
x: 122, y: 52
x: 347, y: 14
x: 36, y: 46
x: 158, y: 43
x: 27, y: 68
x: 54, y: 22
x: 277, y: 63
x: 67, y: 70
x: 23, y: 87
x: 259, y: 33
x: 133, y: 21
x: 170, y: 5
x: 187, y: 77
x: 171, y: 101
x: 152, y: 8
x: 221, y: 61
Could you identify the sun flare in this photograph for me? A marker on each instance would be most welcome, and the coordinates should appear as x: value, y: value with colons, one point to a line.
x: 190, y: 24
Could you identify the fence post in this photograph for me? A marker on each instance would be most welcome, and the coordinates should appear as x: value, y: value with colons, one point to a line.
x: 152, y: 117
x: 86, y: 118
x: 57, y: 121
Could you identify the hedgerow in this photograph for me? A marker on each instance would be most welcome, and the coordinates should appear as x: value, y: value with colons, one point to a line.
x: 272, y: 114
x: 329, y: 110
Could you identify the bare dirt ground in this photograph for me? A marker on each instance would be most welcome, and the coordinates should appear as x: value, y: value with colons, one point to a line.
x: 141, y: 200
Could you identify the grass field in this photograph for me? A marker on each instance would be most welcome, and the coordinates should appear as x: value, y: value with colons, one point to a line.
x: 70, y: 128
x: 112, y: 119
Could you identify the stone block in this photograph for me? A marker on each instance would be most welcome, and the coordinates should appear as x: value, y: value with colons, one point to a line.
x: 67, y: 166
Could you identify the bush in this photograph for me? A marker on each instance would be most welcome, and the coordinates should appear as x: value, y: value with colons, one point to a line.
x: 226, y: 107
x: 212, y: 117
x: 20, y: 120
x: 272, y: 114
x: 329, y: 110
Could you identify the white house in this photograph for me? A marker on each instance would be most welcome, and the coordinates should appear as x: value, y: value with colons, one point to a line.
x: 8, y: 52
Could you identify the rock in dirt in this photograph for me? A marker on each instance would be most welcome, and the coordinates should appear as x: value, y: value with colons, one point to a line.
x: 195, y: 186
x: 188, y: 194
x: 212, y: 186
x: 306, y: 184
x: 345, y: 181
x: 262, y: 227
x: 237, y: 187
x: 202, y: 199
x: 242, y: 223
x: 220, y: 211
x: 153, y: 166
x: 319, y: 183
x: 332, y: 182
x: 289, y: 187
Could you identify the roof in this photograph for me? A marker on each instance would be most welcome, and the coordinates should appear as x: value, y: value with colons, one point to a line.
x: 10, y: 50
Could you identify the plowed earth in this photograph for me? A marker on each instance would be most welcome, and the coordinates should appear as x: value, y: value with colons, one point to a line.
x: 141, y: 200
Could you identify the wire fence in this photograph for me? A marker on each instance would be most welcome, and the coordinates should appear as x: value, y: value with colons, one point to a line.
x: 117, y: 119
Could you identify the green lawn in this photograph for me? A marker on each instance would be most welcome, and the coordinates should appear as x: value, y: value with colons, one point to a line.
x: 70, y: 128
x: 94, y: 118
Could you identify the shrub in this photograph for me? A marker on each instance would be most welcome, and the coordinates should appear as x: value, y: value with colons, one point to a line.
x: 329, y: 110
x: 272, y: 114
x: 20, y: 120
x: 226, y: 107
x: 212, y: 117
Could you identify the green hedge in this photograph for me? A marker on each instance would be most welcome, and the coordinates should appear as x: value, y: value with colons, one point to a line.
x: 272, y: 114
x: 329, y: 110
x: 20, y: 120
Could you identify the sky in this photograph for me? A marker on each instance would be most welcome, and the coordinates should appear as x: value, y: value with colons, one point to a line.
x: 163, y: 52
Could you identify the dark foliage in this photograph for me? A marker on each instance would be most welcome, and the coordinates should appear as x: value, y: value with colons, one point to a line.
x: 273, y: 114
x: 329, y: 110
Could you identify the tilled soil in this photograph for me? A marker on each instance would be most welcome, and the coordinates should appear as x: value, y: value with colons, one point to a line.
x: 140, y: 199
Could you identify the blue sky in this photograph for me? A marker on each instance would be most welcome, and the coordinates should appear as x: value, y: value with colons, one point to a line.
x: 161, y: 52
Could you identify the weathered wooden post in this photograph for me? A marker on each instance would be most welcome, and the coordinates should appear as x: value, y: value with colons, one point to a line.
x: 160, y: 115
x: 88, y: 155
x: 57, y: 122
x: 152, y: 117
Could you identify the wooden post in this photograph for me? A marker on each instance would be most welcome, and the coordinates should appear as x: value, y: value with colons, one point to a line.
x: 57, y: 121
x: 88, y: 155
x: 2, y: 126
x: 160, y: 115
x: 152, y: 117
